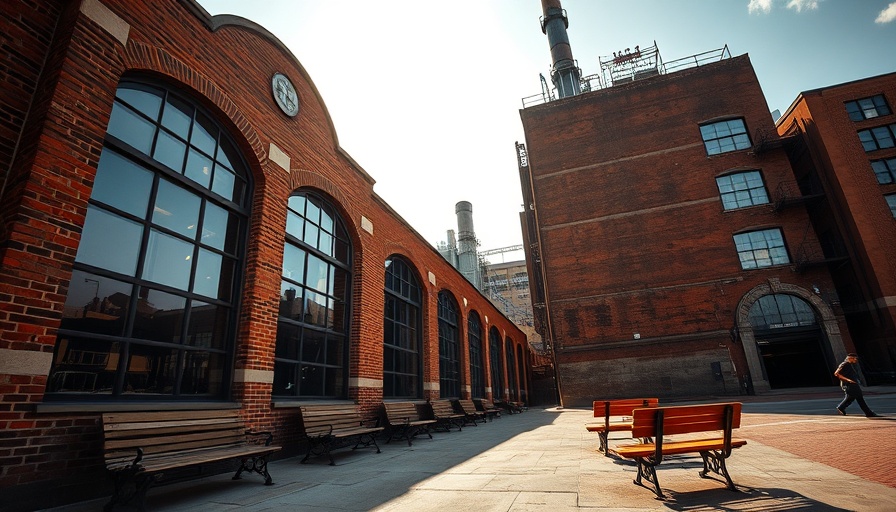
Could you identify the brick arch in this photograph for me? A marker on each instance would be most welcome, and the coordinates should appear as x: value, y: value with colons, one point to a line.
x: 154, y: 60
x: 823, y: 312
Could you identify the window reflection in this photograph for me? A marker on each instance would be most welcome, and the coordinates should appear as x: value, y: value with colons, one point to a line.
x: 311, y: 348
x: 120, y: 337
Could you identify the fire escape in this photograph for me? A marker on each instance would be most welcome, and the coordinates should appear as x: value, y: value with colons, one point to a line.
x: 811, y: 251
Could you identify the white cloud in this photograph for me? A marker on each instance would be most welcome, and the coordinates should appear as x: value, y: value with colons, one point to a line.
x: 760, y: 6
x: 887, y: 15
x: 799, y: 5
x: 765, y: 6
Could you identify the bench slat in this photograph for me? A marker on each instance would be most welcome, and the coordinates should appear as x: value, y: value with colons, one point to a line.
x: 684, y: 419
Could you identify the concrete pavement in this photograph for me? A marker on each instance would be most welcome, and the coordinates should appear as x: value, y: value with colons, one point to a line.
x: 545, y: 460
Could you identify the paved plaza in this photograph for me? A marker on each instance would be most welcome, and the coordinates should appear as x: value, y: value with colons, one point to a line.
x: 800, y: 456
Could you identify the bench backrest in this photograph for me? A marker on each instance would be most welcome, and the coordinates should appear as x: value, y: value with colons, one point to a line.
x: 622, y: 407
x: 398, y: 412
x: 467, y: 406
x: 317, y: 419
x: 442, y: 408
x: 659, y: 421
x: 159, y: 432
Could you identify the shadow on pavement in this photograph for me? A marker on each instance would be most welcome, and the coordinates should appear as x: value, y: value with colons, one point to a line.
x: 766, y: 500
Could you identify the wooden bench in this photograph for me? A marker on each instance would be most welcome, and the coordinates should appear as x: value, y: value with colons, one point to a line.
x: 404, y: 421
x: 510, y: 407
x: 658, y: 422
x: 620, y: 410
x: 139, y: 447
x: 324, y: 426
x: 445, y: 416
x: 488, y: 407
x: 471, y: 414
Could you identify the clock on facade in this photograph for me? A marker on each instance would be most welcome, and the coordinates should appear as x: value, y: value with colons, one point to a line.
x: 285, y: 94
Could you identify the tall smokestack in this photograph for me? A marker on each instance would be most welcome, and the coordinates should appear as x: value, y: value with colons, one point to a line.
x: 564, y: 74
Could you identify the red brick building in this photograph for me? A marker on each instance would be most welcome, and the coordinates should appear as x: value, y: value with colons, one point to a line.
x: 180, y: 229
x: 843, y: 152
x: 661, y: 262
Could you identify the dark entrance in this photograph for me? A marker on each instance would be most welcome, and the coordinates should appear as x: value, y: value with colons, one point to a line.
x: 794, y: 359
x: 790, y: 343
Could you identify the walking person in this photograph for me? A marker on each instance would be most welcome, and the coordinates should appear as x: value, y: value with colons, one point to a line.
x: 849, y: 375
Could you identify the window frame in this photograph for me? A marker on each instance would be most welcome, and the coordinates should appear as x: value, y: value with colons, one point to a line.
x: 746, y: 237
x: 477, y: 366
x: 891, y: 202
x: 733, y: 193
x: 403, y: 301
x: 142, y: 349
x: 870, y: 138
x: 886, y: 168
x: 449, y: 346
x: 857, y: 112
x: 318, y: 236
x: 715, y: 133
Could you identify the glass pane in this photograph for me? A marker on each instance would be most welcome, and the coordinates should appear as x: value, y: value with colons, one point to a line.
x: 83, y: 365
x: 170, y: 151
x: 205, y: 134
x: 311, y: 381
x: 199, y: 168
x: 177, y: 117
x: 160, y: 316
x: 297, y: 204
x: 293, y: 263
x: 335, y: 351
x: 313, y: 212
x: 110, y: 242
x: 326, y: 221
x: 318, y: 271
x: 325, y: 244
x: 220, y: 228
x: 316, y: 310
x: 285, y: 379
x: 313, y: 347
x: 96, y: 304
x: 208, y: 275
x: 708, y: 132
x: 225, y: 185
x: 203, y: 373
x: 852, y: 108
x: 713, y: 147
x: 291, y: 301
x: 310, y: 235
x: 131, y: 128
x: 227, y: 155
x: 294, y: 224
x: 122, y: 183
x: 208, y: 325
x: 151, y: 370
x: 141, y: 100
x: 176, y: 209
x: 168, y: 260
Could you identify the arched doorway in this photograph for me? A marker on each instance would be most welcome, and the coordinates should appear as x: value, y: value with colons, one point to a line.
x: 780, y: 352
x: 789, y: 341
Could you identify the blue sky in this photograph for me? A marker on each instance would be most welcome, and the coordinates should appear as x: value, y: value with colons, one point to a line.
x: 425, y: 95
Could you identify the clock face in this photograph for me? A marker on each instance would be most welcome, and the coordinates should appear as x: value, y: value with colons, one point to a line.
x: 285, y: 94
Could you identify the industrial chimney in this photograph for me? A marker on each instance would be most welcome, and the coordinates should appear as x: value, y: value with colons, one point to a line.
x: 564, y: 73
x: 467, y: 253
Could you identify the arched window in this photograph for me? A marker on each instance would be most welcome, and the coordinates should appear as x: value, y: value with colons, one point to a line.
x: 780, y: 310
x: 312, y: 329
x: 402, y: 353
x: 496, y: 366
x: 151, y: 306
x: 521, y: 371
x: 477, y: 369
x: 449, y: 347
x: 511, y: 370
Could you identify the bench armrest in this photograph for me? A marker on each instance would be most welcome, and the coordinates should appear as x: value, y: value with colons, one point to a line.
x: 268, y: 441
x: 375, y: 422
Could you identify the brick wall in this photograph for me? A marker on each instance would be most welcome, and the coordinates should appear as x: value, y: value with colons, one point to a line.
x: 228, y: 70
x: 638, y: 252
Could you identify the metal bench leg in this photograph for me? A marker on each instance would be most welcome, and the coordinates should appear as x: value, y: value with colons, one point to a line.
x: 254, y: 465
x: 603, y: 443
x: 715, y: 462
x: 647, y: 471
x: 367, y: 440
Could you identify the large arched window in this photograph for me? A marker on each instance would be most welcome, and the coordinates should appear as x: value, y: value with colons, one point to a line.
x: 511, y: 370
x: 449, y: 347
x: 477, y: 369
x: 151, y: 306
x: 779, y: 311
x: 496, y: 366
x: 402, y: 354
x: 312, y: 341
